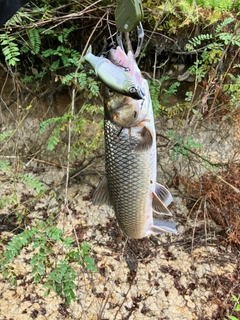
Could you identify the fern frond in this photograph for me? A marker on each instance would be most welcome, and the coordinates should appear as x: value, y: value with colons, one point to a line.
x: 224, y: 24
x: 53, y: 140
x: 35, y: 40
x: 32, y: 182
x: 198, y: 40
x: 61, y: 280
x: 5, y: 167
x: 65, y: 33
x: 5, y: 135
x: 10, y: 48
x: 45, y: 123
x: 17, y: 18
x: 69, y: 77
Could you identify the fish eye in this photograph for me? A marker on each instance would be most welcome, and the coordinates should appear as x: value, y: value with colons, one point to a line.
x: 133, y: 89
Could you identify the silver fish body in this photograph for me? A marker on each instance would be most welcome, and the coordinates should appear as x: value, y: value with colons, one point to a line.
x: 130, y: 183
x: 115, y: 78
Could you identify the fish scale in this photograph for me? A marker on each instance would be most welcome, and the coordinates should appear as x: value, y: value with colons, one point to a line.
x: 129, y: 178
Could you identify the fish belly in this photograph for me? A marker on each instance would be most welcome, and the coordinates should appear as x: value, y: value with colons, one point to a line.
x: 131, y: 179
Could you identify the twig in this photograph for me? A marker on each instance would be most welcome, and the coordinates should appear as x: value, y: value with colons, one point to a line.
x: 230, y: 185
x: 87, y: 44
x: 193, y: 152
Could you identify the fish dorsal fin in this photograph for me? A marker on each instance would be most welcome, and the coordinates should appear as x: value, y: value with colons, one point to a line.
x: 161, y: 198
x: 101, y: 194
x: 147, y: 140
x: 162, y: 226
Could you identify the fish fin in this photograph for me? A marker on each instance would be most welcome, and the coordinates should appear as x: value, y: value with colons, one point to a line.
x: 89, y: 50
x: 164, y: 194
x: 159, y: 206
x: 162, y: 226
x: 101, y: 194
x: 147, y: 140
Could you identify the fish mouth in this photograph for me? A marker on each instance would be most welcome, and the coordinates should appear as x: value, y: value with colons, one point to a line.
x: 141, y: 93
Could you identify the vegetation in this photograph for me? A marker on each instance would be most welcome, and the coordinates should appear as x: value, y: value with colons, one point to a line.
x: 236, y: 308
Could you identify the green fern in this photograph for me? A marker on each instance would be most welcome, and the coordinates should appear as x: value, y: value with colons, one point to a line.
x: 47, y: 122
x: 54, y: 139
x: 196, y: 41
x: 66, y: 55
x: 62, y: 281
x: 16, y: 244
x: 32, y: 182
x: 5, y: 135
x: 5, y: 167
x: 6, y: 200
x: 65, y: 33
x: 19, y: 18
x: 224, y: 24
x: 68, y: 79
x: 41, y: 239
x: 35, y: 40
x: 9, y: 48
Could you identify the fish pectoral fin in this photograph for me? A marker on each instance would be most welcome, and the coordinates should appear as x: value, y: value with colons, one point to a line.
x: 147, y: 140
x: 101, y: 194
x: 163, y: 226
x: 158, y: 205
x: 164, y: 194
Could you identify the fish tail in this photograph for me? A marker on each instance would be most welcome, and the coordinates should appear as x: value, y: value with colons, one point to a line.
x: 83, y: 58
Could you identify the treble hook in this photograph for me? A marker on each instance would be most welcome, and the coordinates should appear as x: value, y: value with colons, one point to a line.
x: 140, y: 33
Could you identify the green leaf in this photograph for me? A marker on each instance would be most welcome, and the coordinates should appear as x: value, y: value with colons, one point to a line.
x: 237, y: 307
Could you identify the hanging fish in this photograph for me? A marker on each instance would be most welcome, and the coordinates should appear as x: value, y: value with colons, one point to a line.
x: 130, y: 183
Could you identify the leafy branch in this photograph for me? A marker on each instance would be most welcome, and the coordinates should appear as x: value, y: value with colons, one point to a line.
x: 41, y: 240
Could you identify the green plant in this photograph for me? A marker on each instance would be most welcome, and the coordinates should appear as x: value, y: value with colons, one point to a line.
x: 236, y: 307
x: 219, y: 5
x: 182, y: 146
x: 28, y: 180
x: 214, y: 48
x: 170, y: 16
x: 170, y: 91
x: 79, y: 123
x: 155, y: 87
x: 9, y: 48
x: 5, y: 135
x: 41, y: 240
